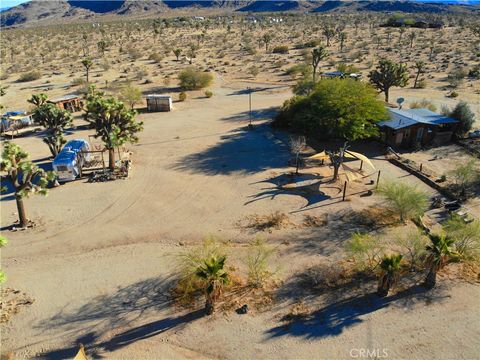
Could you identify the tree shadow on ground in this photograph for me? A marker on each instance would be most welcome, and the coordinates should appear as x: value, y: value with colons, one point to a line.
x: 254, y: 90
x: 257, y: 114
x: 116, y: 311
x: 338, y: 315
x: 241, y: 151
x: 306, y: 186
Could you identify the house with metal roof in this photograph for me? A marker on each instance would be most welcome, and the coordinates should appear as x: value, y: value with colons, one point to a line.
x: 417, y: 127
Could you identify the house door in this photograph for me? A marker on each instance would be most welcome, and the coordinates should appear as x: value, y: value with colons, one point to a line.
x: 399, y: 138
x: 420, y: 135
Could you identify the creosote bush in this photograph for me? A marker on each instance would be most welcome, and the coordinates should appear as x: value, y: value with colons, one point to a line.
x: 208, y: 94
x: 182, y: 96
x: 30, y: 76
x: 365, y: 250
x: 258, y: 258
x: 193, y: 79
x: 281, y: 49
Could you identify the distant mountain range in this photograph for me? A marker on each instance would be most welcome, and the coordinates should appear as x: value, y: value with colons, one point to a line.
x: 38, y: 12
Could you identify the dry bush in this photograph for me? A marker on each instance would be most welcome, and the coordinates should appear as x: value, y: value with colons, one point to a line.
x: 30, y: 76
x: 325, y: 276
x: 276, y: 220
x: 372, y: 218
x: 315, y: 221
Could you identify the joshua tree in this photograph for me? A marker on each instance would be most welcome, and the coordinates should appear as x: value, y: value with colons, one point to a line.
x: 297, y: 144
x: 25, y: 177
x: 411, y: 37
x: 390, y: 267
x: 267, y: 38
x: 329, y: 32
x: 342, y: 37
x: 53, y: 119
x: 87, y: 64
x: 440, y: 252
x: 318, y: 55
x: 113, y: 122
x: 177, y: 53
x: 102, y: 46
x: 336, y: 158
x: 401, y: 31
x: 388, y: 74
x: 212, y: 273
x: 420, y: 69
x: 404, y: 199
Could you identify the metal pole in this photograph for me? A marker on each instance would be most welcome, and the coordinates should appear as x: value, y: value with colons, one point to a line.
x: 249, y: 106
x: 378, y: 179
x: 344, y: 190
x: 361, y: 164
x: 421, y: 167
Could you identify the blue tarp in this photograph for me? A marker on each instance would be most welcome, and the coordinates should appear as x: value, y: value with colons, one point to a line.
x: 69, y: 152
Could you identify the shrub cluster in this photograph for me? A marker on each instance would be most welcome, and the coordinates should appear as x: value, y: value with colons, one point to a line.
x: 193, y: 79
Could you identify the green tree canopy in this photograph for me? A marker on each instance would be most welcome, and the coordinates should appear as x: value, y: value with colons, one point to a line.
x: 341, y: 108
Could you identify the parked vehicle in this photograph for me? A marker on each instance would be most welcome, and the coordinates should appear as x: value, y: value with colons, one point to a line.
x: 69, y: 162
x: 474, y: 134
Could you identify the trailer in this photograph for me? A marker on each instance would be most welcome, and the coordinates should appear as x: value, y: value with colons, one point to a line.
x: 15, y: 120
x: 69, y: 162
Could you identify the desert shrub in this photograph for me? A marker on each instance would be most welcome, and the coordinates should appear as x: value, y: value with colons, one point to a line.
x: 365, y: 250
x: 423, y: 104
x: 465, y: 235
x: 456, y: 76
x: 30, y: 76
x: 347, y: 68
x: 413, y: 244
x: 140, y: 72
x: 474, y: 72
x: 309, y: 44
x: 182, y: 96
x: 253, y: 70
x: 421, y: 84
x: 275, y: 220
x: 324, y: 277
x: 280, y: 49
x: 250, y: 49
x: 404, y: 199
x: 134, y: 54
x: 299, y: 69
x: 78, y: 81
x: 193, y: 79
x: 453, y: 94
x: 208, y: 94
x: 258, y: 262
x: 465, y: 174
x: 156, y: 57
x: 464, y: 115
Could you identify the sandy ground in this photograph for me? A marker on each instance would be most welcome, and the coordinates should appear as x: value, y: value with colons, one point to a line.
x: 99, y: 264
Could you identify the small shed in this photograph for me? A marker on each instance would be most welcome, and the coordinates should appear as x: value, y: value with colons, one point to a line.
x: 159, y: 103
x: 70, y: 103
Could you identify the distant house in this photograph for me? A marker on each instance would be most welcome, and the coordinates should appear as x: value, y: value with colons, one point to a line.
x: 411, y: 127
x: 70, y: 103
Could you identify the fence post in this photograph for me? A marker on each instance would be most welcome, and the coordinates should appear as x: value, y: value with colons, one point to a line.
x: 361, y: 165
x: 378, y: 179
x: 344, y: 190
x: 421, y: 167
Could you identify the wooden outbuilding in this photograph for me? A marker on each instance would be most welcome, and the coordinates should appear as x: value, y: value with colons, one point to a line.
x: 159, y: 103
x: 70, y: 103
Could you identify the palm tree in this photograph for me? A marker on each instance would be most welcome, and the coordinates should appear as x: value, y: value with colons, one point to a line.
x: 390, y: 266
x: 440, y: 252
x: 214, y: 277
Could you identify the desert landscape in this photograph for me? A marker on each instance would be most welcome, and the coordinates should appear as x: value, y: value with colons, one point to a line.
x: 215, y: 232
